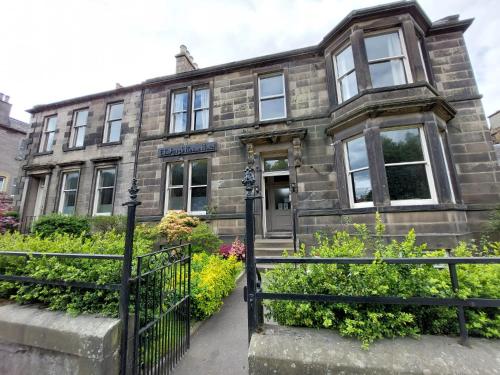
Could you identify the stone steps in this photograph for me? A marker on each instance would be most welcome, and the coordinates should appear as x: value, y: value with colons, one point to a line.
x: 272, y: 247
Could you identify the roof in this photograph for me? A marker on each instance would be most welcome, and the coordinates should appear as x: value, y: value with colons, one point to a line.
x: 494, y: 113
x: 17, y: 126
x: 399, y: 7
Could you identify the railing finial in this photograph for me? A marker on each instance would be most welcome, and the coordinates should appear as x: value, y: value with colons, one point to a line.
x: 249, y: 180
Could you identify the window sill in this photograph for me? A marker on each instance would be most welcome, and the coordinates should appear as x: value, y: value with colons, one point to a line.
x: 187, y: 134
x: 67, y: 149
x: 43, y: 153
x: 273, y: 121
x: 109, y: 144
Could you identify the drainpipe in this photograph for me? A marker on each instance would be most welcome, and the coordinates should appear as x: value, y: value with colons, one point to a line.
x: 136, y: 158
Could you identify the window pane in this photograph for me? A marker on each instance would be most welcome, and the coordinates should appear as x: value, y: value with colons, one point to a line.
x: 282, y: 198
x: 176, y: 174
x: 115, y: 128
x: 362, y: 186
x: 402, y: 145
x: 408, y: 182
x: 81, y: 118
x: 358, y: 157
x: 176, y: 199
x: 107, y: 178
x: 180, y: 121
x: 105, y: 203
x: 180, y: 102
x: 271, y: 86
x: 69, y: 203
x: 80, y: 136
x: 71, y: 181
x: 199, y: 199
x: 2, y: 183
x: 115, y: 112
x: 51, y: 123
x: 272, y: 108
x: 201, y: 99
x: 388, y: 73
x: 380, y: 46
x: 345, y: 61
x: 50, y: 141
x: 201, y: 119
x: 349, y: 86
x: 271, y: 165
x: 199, y: 172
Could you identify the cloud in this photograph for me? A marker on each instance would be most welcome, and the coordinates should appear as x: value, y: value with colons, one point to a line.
x: 58, y: 49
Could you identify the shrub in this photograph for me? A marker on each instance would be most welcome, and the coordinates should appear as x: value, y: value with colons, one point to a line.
x: 212, y: 279
x: 202, y: 238
x: 103, y: 224
x: 8, y: 218
x: 371, y: 322
x: 236, y: 249
x: 177, y: 226
x: 52, y: 224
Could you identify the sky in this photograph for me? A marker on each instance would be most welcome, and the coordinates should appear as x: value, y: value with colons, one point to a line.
x: 53, y: 50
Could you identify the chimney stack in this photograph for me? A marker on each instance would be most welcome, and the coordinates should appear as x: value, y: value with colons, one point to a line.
x: 5, y: 107
x: 184, y: 61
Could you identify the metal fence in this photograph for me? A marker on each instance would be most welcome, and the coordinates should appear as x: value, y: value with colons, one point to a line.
x: 254, y: 294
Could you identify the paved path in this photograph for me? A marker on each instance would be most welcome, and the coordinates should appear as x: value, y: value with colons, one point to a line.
x: 220, y: 345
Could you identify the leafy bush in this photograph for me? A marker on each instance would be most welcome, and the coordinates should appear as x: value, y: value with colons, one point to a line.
x: 177, y: 226
x: 236, y: 249
x: 51, y: 224
x: 103, y: 224
x: 202, y: 238
x: 212, y: 279
x: 8, y: 218
x: 370, y: 322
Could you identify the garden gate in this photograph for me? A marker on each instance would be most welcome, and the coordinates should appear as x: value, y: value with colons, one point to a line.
x: 159, y: 294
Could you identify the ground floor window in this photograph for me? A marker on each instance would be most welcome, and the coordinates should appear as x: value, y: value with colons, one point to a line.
x: 105, y: 191
x: 3, y: 180
x: 187, y: 186
x: 358, y: 173
x: 69, y: 190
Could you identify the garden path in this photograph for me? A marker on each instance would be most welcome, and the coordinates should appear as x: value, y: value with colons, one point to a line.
x: 220, y: 346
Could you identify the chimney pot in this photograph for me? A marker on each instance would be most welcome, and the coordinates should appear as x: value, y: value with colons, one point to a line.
x: 184, y: 61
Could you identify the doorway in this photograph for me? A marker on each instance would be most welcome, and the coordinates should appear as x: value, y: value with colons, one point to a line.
x: 277, y: 197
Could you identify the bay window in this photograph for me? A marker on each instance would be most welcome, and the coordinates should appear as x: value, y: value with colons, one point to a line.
x: 387, y: 59
x: 69, y: 191
x: 272, y: 104
x: 77, y: 137
x: 48, y: 134
x: 104, y: 191
x: 347, y: 85
x: 187, y: 186
x: 358, y: 173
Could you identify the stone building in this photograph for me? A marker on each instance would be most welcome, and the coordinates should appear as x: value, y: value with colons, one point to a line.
x: 383, y: 114
x: 12, y: 135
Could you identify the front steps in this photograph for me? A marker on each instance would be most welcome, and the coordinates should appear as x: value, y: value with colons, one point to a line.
x: 272, y: 247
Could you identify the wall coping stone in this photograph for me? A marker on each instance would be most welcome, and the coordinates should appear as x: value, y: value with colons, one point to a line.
x: 290, y: 350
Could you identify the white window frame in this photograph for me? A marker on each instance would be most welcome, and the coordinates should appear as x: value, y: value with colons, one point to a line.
x: 3, y: 183
x: 173, y: 112
x: 421, y: 51
x: 428, y: 170
x: 75, y: 129
x: 44, y: 145
x: 447, y: 166
x: 261, y: 98
x: 403, y: 56
x: 190, y: 188
x: 64, y: 191
x: 349, y: 172
x: 107, y: 127
x: 337, y: 78
x: 97, y: 191
x: 194, y: 110
x: 169, y: 186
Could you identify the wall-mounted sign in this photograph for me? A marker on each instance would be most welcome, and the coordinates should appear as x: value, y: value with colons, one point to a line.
x: 187, y: 149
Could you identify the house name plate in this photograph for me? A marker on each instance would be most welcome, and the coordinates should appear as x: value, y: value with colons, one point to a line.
x: 200, y: 148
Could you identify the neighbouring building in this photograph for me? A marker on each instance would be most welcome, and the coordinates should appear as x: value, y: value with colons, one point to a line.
x: 495, y: 132
x: 12, y: 146
x: 383, y: 114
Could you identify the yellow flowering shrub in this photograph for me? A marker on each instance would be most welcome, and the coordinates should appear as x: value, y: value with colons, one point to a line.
x: 177, y: 226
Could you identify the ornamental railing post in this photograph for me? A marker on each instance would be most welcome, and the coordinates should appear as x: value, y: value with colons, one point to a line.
x: 250, y: 290
x: 126, y: 274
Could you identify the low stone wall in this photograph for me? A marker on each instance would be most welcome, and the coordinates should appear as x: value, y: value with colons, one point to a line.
x: 301, y: 351
x: 38, y: 341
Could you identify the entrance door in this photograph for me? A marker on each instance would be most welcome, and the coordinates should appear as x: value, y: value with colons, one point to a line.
x: 40, y: 198
x: 278, y: 204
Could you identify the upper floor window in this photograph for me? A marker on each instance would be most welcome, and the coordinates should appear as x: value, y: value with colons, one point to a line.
x: 48, y: 134
x: 77, y: 137
x: 105, y: 191
x: 3, y: 184
x: 272, y: 104
x: 69, y: 188
x: 178, y: 120
x: 347, y: 85
x: 113, y: 125
x: 201, y: 109
x: 387, y: 59
x: 358, y: 173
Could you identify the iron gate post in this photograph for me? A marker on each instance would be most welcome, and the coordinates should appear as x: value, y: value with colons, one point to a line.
x: 126, y: 274
x: 249, y: 182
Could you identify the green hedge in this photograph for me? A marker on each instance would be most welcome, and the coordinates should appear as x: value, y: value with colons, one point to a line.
x: 51, y: 224
x: 371, y: 322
